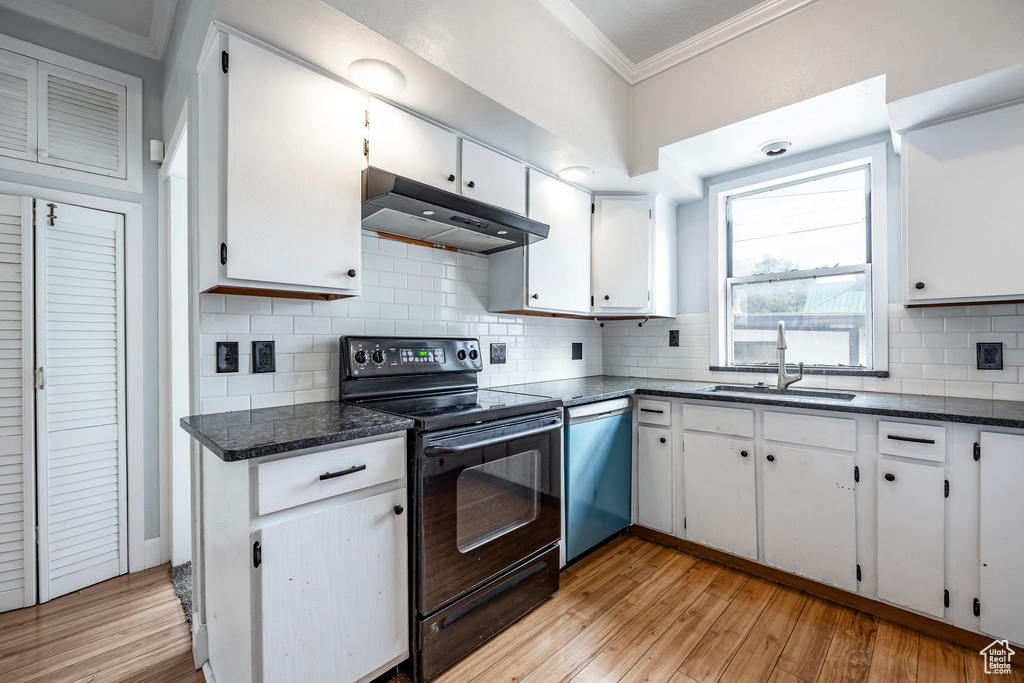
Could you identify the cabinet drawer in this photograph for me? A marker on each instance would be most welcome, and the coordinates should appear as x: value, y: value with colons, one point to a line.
x: 736, y: 421
x: 650, y: 412
x: 924, y: 442
x: 293, y: 481
x: 811, y: 430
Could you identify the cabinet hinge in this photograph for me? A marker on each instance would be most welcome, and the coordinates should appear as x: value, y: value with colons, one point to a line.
x: 37, y: 535
x: 592, y: 209
x: 977, y: 451
x: 591, y: 300
x: 366, y: 148
x: 223, y: 253
x: 257, y: 554
x: 52, y: 217
x: 945, y: 598
x: 977, y: 607
x: 224, y: 61
x: 856, y: 474
x: 650, y: 213
x: 366, y: 120
x: 945, y: 489
x: 858, y: 572
x: 684, y: 522
x: 648, y: 295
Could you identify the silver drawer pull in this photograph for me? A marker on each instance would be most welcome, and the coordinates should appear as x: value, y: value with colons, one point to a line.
x: 910, y: 439
x: 342, y: 473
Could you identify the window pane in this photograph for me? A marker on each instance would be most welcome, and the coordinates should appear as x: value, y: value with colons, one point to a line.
x: 826, y: 320
x: 815, y: 224
x: 496, y: 497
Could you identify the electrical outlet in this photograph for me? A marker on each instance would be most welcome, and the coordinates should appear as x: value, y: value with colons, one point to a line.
x: 227, y: 356
x: 673, y: 337
x: 497, y: 354
x: 577, y: 350
x: 990, y: 355
x: 263, y: 358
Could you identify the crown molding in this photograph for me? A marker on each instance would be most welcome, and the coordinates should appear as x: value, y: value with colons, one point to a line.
x: 578, y: 24
x: 151, y: 46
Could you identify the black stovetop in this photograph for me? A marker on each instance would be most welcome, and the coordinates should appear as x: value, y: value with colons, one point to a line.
x: 461, y: 408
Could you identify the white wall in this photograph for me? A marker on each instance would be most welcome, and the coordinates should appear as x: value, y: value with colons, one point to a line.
x: 919, y: 45
x: 407, y: 290
x: 151, y: 73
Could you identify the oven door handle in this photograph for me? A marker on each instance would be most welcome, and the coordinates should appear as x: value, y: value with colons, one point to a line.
x: 462, y: 448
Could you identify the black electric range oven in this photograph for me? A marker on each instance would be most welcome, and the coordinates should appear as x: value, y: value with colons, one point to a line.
x: 484, y: 484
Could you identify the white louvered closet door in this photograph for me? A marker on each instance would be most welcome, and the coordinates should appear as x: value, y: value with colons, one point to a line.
x: 18, y: 88
x: 84, y: 122
x: 17, y: 459
x: 80, y: 402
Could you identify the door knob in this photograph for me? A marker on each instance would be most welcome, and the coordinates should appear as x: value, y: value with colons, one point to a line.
x: 399, y: 509
x: 890, y: 476
x: 771, y: 458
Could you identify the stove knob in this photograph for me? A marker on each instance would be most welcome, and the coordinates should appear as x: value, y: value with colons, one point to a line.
x: 378, y: 357
x: 360, y: 357
x: 461, y: 354
x: 473, y: 354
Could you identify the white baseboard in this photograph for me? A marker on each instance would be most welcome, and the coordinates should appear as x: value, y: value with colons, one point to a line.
x: 154, y: 551
x: 201, y: 647
x: 208, y: 673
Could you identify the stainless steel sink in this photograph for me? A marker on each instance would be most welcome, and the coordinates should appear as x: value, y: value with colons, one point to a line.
x: 762, y: 390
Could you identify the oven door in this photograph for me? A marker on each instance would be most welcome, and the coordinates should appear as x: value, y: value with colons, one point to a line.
x: 489, y: 498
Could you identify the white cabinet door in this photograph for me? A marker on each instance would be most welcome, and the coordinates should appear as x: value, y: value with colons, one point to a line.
x: 411, y: 147
x: 493, y: 178
x: 293, y: 173
x: 333, y: 592
x: 1002, y: 543
x: 911, y: 535
x: 17, y: 452
x: 18, y: 100
x: 962, y: 183
x: 558, y: 268
x: 654, y: 478
x: 622, y: 254
x: 721, y: 503
x: 809, y: 514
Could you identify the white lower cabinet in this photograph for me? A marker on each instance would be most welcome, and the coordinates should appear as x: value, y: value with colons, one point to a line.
x: 1002, y: 542
x: 720, y: 494
x: 654, y: 477
x: 338, y: 613
x: 810, y: 525
x: 911, y: 535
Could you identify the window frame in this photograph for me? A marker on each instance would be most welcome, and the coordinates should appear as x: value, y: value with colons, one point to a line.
x: 873, y: 158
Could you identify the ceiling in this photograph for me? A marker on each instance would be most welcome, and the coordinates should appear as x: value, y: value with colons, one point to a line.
x: 640, y: 38
x: 140, y: 26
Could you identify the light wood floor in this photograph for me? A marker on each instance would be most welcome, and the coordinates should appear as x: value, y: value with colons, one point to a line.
x: 638, y: 611
x: 131, y: 628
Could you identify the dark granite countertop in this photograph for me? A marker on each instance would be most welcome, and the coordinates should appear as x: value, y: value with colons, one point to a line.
x: 245, y: 434
x: 967, y: 410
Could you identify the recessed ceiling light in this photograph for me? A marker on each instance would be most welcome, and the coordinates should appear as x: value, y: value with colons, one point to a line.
x: 428, y: 213
x: 775, y: 147
x: 376, y: 75
x: 575, y: 174
x: 503, y: 232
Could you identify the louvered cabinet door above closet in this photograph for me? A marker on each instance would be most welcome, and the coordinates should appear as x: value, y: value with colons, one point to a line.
x: 17, y: 459
x: 80, y: 397
x: 18, y: 125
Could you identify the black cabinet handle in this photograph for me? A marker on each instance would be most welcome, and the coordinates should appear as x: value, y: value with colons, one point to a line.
x: 743, y: 453
x: 399, y: 509
x: 451, y: 178
x: 652, y: 410
x: 771, y: 458
x: 662, y: 439
x: 536, y: 296
x: 470, y: 184
x: 909, y: 439
x: 351, y: 272
x: 606, y: 297
x: 342, y: 473
x: 890, y: 476
x: 919, y: 285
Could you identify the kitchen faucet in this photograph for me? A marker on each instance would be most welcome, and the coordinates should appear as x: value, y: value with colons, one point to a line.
x: 785, y: 379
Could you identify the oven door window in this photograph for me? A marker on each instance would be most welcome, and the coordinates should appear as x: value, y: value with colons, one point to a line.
x: 497, y: 497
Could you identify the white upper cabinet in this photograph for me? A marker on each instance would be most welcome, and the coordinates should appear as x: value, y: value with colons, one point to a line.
x: 493, y: 178
x: 412, y: 147
x: 65, y: 118
x: 961, y: 208
x: 633, y: 248
x: 280, y: 157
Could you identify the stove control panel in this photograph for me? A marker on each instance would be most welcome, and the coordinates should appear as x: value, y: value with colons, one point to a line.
x: 396, y: 356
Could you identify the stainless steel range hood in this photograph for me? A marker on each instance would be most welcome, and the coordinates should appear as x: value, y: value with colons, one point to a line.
x: 404, y: 207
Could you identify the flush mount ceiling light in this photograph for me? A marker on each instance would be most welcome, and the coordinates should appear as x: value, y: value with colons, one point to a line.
x: 575, y: 174
x: 376, y: 76
x: 776, y: 147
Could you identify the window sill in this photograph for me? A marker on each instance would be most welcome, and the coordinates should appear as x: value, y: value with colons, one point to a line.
x: 773, y: 369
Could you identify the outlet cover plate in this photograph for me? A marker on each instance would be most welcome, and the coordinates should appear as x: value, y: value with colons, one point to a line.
x: 673, y: 337
x: 577, y: 350
x: 990, y: 355
x: 263, y: 357
x: 498, y: 356
x: 227, y: 356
